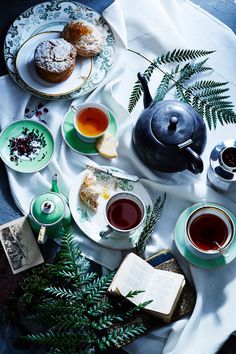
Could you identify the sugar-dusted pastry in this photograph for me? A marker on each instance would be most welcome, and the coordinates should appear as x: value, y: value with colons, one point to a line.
x: 106, y: 145
x: 85, y: 36
x: 55, y: 59
x: 89, y: 191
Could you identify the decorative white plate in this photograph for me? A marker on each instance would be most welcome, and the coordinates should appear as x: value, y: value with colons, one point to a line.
x: 26, y: 69
x: 52, y: 16
x: 92, y: 223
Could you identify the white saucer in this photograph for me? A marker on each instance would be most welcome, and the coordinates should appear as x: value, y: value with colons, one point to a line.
x: 26, y: 69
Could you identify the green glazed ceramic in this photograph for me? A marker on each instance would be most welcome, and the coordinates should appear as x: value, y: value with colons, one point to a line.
x: 26, y: 146
x: 74, y: 142
x: 192, y: 258
x: 49, y: 209
x: 47, y: 215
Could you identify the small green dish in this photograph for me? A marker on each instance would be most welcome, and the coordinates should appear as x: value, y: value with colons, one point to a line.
x: 192, y: 258
x: 74, y: 142
x: 26, y: 146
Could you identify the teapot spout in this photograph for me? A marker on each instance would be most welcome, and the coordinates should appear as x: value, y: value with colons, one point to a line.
x: 147, y: 98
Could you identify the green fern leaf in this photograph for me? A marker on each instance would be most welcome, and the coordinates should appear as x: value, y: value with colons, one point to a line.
x: 134, y: 293
x: 64, y: 293
x: 163, y: 87
x: 209, y: 92
x: 182, y: 55
x: 150, y: 223
x: 205, y: 84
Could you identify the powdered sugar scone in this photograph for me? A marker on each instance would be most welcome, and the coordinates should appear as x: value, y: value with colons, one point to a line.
x: 55, y: 59
x: 85, y: 36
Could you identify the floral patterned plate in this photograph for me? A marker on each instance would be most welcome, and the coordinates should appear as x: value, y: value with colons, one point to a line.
x: 52, y: 16
x: 26, y: 146
x: 92, y: 223
x: 27, y: 72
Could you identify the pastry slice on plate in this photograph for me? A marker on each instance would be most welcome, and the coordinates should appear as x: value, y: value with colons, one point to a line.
x: 89, y: 191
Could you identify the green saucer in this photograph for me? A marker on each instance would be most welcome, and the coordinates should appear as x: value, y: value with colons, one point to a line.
x: 192, y: 258
x: 74, y: 142
x: 26, y: 146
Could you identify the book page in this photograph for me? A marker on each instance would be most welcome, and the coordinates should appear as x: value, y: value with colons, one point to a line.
x: 133, y: 274
x: 163, y: 289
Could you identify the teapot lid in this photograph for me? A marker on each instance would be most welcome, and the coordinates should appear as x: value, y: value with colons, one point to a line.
x: 47, y: 208
x: 173, y: 122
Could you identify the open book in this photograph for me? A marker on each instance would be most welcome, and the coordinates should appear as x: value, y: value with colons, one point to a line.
x: 162, y: 287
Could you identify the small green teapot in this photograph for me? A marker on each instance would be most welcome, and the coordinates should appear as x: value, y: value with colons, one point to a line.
x: 49, y: 215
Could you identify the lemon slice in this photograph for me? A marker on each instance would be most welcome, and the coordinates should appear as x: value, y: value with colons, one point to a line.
x: 106, y: 145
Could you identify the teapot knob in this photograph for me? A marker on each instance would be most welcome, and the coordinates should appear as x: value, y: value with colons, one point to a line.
x: 173, y: 123
x: 47, y: 207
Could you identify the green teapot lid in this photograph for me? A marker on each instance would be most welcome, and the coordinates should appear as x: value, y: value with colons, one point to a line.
x: 47, y: 208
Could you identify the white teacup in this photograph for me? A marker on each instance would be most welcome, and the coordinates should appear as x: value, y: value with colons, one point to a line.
x: 91, y: 121
x: 209, y: 232
x: 124, y: 212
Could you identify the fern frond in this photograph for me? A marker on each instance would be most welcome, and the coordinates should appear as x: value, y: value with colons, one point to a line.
x: 205, y: 93
x: 120, y: 335
x: 98, y: 308
x: 98, y: 288
x: 205, y: 84
x: 64, y: 293
x: 135, y: 96
x: 149, y: 225
x: 181, y: 94
x: 163, y: 87
x: 133, y: 293
x: 105, y: 321
x: 189, y: 70
x: 179, y: 55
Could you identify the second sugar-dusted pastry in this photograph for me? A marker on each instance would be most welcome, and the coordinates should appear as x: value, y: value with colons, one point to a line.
x: 85, y: 36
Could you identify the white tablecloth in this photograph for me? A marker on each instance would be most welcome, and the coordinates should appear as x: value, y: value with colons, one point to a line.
x: 152, y: 28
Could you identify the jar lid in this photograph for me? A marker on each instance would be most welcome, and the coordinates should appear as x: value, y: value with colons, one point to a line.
x: 47, y: 208
x: 173, y: 122
x: 223, y: 159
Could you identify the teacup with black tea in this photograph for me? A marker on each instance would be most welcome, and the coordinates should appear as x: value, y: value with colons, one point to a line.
x: 124, y: 213
x: 209, y: 231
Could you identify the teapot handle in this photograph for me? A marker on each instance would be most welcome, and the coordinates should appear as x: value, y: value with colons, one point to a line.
x: 195, y: 161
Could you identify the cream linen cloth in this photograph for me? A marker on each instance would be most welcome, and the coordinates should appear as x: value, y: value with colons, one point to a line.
x: 152, y: 28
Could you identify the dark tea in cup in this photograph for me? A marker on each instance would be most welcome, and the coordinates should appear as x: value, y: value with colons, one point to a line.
x: 209, y: 229
x: 124, y: 213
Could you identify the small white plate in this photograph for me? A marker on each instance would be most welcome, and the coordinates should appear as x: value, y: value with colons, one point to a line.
x: 92, y: 223
x: 26, y: 69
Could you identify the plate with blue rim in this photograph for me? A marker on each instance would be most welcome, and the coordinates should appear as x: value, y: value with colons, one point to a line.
x: 90, y: 222
x: 179, y: 238
x: 53, y: 16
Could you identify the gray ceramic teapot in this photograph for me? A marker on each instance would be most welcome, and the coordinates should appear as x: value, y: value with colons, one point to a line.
x: 169, y: 136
